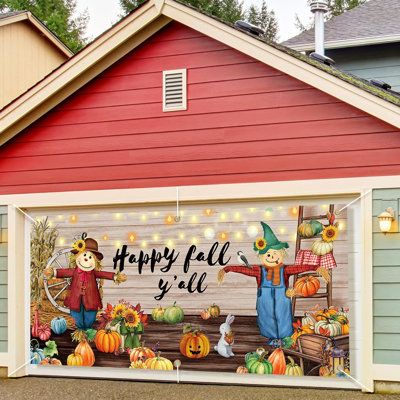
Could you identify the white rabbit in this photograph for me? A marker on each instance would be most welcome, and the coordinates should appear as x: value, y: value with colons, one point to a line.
x: 224, y: 347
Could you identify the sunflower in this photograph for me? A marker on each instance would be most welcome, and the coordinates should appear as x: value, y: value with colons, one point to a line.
x: 330, y: 233
x: 132, y: 318
x: 118, y: 310
x: 79, y: 245
x: 260, y: 243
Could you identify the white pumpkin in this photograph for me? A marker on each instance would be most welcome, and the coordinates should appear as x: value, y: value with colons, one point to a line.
x: 320, y: 248
x: 308, y: 320
x: 328, y: 327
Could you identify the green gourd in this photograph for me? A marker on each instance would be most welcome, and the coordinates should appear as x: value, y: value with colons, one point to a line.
x: 174, y: 314
x: 309, y: 229
x: 259, y: 365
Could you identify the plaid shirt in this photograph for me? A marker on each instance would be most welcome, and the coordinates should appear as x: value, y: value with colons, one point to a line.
x: 255, y: 271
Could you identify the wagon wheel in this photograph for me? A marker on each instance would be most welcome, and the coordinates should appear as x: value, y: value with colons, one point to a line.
x: 58, y: 260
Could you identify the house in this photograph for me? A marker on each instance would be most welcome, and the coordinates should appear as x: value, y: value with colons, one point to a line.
x: 29, y: 52
x: 166, y: 142
x: 363, y: 41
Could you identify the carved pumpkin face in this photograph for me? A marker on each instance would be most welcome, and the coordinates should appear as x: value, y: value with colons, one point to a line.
x: 194, y: 345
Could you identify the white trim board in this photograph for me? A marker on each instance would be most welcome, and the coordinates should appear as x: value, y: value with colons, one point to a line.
x: 386, y: 372
x: 4, y: 358
x: 192, y: 377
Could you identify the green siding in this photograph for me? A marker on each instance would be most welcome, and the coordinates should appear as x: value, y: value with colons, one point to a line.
x: 3, y: 278
x: 371, y: 62
x: 386, y: 281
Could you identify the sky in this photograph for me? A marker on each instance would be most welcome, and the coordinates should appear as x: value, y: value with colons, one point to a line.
x: 104, y: 13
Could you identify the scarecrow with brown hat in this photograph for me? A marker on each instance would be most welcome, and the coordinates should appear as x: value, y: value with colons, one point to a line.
x: 84, y: 298
x: 274, y: 306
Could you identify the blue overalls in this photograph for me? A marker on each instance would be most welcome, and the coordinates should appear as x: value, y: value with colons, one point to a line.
x: 274, y: 308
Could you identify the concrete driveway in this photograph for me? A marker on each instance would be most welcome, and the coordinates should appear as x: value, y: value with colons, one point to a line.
x: 88, y: 389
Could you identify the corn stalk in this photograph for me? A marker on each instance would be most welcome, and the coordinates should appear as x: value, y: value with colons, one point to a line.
x: 43, y: 241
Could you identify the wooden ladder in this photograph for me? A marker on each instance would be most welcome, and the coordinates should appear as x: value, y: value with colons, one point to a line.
x: 327, y: 294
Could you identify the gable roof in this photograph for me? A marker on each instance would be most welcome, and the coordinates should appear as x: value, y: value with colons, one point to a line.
x: 374, y: 22
x: 149, y: 18
x: 17, y: 16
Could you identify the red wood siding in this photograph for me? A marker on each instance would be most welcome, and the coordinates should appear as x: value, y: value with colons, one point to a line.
x: 246, y: 122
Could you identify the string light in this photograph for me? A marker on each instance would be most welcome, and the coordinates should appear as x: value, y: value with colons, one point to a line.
x: 117, y: 215
x: 73, y: 219
x: 156, y: 213
x: 223, y: 216
x: 156, y: 237
x: 294, y: 211
x: 169, y: 219
x: 237, y: 215
x: 268, y: 213
x: 194, y: 218
x: 61, y: 241
x: 194, y: 240
x: 223, y: 236
x: 181, y: 235
x: 294, y: 237
x: 208, y: 212
x: 105, y: 237
x: 131, y: 236
x: 60, y: 216
x: 143, y: 217
x: 341, y: 226
x: 170, y: 243
x: 252, y: 231
x: 117, y: 244
x: 143, y: 244
x: 252, y: 209
x: 209, y: 233
x: 325, y: 207
x: 238, y: 235
x: 50, y: 223
x: 282, y: 230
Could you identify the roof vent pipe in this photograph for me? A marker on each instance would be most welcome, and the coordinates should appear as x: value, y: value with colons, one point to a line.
x: 319, y: 8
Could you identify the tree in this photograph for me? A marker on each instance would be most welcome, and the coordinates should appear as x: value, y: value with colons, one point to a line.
x: 60, y: 16
x: 336, y: 7
x: 265, y: 19
x: 227, y: 10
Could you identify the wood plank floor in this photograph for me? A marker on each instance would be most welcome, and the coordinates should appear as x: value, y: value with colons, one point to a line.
x: 166, y: 338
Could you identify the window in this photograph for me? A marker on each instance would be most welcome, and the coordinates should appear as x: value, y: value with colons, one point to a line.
x: 174, y: 90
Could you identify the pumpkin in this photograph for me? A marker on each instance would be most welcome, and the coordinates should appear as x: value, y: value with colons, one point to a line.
x: 50, y: 361
x: 343, y: 312
x: 320, y: 248
x: 241, y: 369
x: 345, y: 329
x: 107, y: 341
x: 307, y: 286
x: 254, y: 354
x: 58, y: 325
x: 138, y: 365
x: 258, y: 365
x: 174, y: 314
x: 44, y: 332
x: 328, y: 327
x: 194, y: 344
x: 214, y: 311
x: 324, y: 371
x: 308, y: 319
x: 304, y: 329
x: 158, y: 314
x: 321, y: 315
x: 293, y: 369
x: 277, y: 359
x: 75, y: 360
x: 141, y: 353
x: 339, y: 318
x: 159, y: 363
x: 36, y: 323
x: 86, y: 352
x: 205, y: 314
x: 309, y: 229
x: 36, y: 354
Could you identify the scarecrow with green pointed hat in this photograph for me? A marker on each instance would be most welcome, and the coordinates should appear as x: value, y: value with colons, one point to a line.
x: 274, y: 306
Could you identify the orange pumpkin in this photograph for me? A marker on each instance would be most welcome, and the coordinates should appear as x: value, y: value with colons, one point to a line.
x: 75, y: 360
x: 277, y: 359
x: 324, y: 370
x: 241, y: 369
x: 205, y: 314
x: 107, y: 341
x: 194, y: 344
x: 307, y: 286
x: 50, y: 361
x: 345, y: 329
x: 141, y: 353
x: 86, y: 352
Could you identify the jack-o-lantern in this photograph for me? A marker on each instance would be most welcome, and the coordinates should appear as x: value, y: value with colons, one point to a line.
x: 194, y: 343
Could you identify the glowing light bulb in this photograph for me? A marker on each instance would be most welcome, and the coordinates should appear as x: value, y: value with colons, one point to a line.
x: 132, y: 236
x: 209, y: 233
x: 208, y: 212
x: 194, y: 240
x: 294, y: 211
x: 252, y: 209
x: 325, y: 207
x: 143, y: 217
x: 118, y: 244
x: 117, y: 215
x: 181, y: 235
x: 156, y: 213
x: 61, y: 241
x: 268, y: 213
x: 60, y: 216
x: 105, y: 237
x: 194, y: 218
x: 170, y: 243
x: 223, y: 216
x: 282, y: 230
x: 156, y: 236
x: 237, y: 215
x: 50, y: 223
x: 169, y: 219
x: 238, y: 235
x: 73, y: 219
x: 341, y: 226
x: 223, y: 236
x: 143, y: 244
x: 252, y: 231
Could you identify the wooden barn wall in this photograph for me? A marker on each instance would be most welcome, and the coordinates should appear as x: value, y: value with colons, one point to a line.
x: 245, y: 122
x: 386, y: 261
x: 147, y: 223
x: 3, y: 279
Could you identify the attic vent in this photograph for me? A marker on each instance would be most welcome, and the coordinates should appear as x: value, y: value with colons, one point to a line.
x: 174, y: 90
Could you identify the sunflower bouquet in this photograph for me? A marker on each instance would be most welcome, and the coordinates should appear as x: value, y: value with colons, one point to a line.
x: 130, y: 322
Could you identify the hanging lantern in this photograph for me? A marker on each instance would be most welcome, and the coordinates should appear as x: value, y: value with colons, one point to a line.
x: 336, y: 360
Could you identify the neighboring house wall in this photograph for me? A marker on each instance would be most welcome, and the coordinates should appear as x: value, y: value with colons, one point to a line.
x: 3, y: 279
x: 26, y: 57
x: 380, y: 62
x: 386, y: 263
x: 246, y: 122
